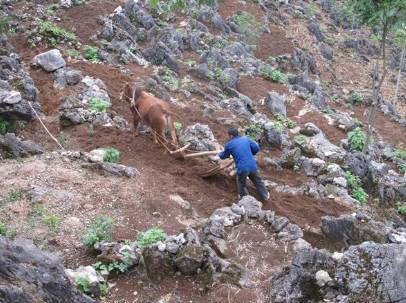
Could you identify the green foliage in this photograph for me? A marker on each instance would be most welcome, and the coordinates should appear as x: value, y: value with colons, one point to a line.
x: 268, y: 73
x: 216, y: 73
x: 151, y: 236
x: 253, y: 131
x: 278, y: 125
x: 52, y: 221
x: 400, y: 152
x: 14, y: 195
x: 190, y: 63
x: 104, y: 289
x: 4, y: 126
x: 3, y: 229
x: 357, y: 139
x: 178, y: 4
x: 169, y: 78
x: 73, y: 53
x: 301, y: 139
x: 400, y: 36
x: 54, y: 34
x: 100, y: 229
x: 355, y: 98
x: 83, y: 284
x: 355, y: 184
x: 248, y: 26
x: 402, y: 167
x: 51, y: 10
x: 286, y: 122
x: 117, y: 267
x: 178, y: 126
x: 98, y: 105
x: 111, y: 155
x: 4, y: 24
x: 91, y: 53
x: 401, y: 209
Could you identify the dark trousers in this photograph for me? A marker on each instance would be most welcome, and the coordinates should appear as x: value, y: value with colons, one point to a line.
x: 256, y: 179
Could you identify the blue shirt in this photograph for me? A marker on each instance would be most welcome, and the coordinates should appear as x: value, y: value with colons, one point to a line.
x: 243, y: 150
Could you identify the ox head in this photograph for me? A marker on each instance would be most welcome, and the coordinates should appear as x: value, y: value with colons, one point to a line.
x: 131, y: 93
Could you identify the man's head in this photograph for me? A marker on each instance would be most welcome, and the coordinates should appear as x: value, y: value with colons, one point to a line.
x: 232, y: 132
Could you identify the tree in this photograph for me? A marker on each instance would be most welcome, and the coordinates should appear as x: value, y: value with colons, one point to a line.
x: 400, y: 40
x: 385, y: 16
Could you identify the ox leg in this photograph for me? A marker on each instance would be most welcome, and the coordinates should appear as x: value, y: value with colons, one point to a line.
x: 136, y: 121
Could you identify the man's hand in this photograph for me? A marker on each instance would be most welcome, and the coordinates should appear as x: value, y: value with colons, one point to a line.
x: 215, y: 158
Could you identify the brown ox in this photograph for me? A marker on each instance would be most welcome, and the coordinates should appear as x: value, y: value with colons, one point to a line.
x: 150, y: 110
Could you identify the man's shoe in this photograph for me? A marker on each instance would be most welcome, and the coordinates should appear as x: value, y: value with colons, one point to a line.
x: 268, y: 195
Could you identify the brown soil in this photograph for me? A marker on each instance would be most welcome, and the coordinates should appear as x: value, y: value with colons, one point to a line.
x: 257, y: 88
x: 273, y: 44
x: 82, y: 19
x: 230, y: 7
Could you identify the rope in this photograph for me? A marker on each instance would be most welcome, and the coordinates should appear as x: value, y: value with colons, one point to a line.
x: 43, y: 125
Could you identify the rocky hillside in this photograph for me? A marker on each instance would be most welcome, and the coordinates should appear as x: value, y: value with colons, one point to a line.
x: 91, y: 213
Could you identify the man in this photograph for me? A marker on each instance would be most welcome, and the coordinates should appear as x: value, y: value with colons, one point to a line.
x: 243, y: 150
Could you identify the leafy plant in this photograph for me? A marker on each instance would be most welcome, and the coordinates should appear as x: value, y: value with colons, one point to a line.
x: 169, y: 78
x: 355, y: 184
x: 278, y: 125
x: 301, y: 139
x: 355, y: 98
x: 285, y: 122
x: 252, y: 131
x: 151, y: 236
x: 118, y: 267
x: 98, y: 105
x: 401, y: 209
x: 54, y: 34
x: 52, y: 221
x: 402, y: 167
x: 111, y: 155
x: 155, y: 4
x: 14, y: 195
x: 400, y: 153
x: 190, y: 63
x: 100, y: 229
x: 4, y: 24
x: 357, y: 139
x: 178, y: 126
x: 52, y: 9
x: 4, y: 126
x: 91, y: 53
x: 268, y: 73
x: 83, y: 284
x: 216, y: 73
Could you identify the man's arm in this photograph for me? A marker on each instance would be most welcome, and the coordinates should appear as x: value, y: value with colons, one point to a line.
x: 225, y: 153
x: 254, y: 147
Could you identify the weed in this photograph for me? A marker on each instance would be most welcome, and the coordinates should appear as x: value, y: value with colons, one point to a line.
x: 248, y: 25
x: 216, y: 73
x: 357, y: 139
x: 111, y: 155
x: 51, y: 10
x: 73, y: 53
x: 268, y: 73
x: 355, y: 98
x: 104, y: 289
x: 178, y: 126
x: 38, y: 210
x: 169, y: 78
x: 400, y: 152
x: 3, y: 229
x: 98, y: 105
x: 83, y: 284
x: 301, y: 139
x: 291, y: 124
x: 54, y: 34
x: 91, y: 53
x: 190, y: 63
x: 401, y: 209
x: 14, y: 195
x: 4, y: 126
x: 11, y: 233
x: 286, y: 122
x: 402, y: 167
x: 4, y: 24
x: 100, y: 229
x: 52, y: 221
x: 151, y: 236
x: 253, y: 131
x: 328, y: 111
x: 355, y: 184
x: 278, y: 125
x: 118, y: 267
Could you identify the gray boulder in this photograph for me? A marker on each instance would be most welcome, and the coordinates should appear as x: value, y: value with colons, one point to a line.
x: 112, y: 169
x: 30, y: 275
x: 229, y: 78
x: 252, y: 207
x: 276, y: 103
x: 50, y: 61
x: 160, y: 54
x: 159, y: 264
x: 314, y: 28
x: 213, y: 58
x: 309, y: 129
x: 190, y: 259
x: 67, y: 76
x: 326, y: 51
x: 13, y: 147
x: 352, y: 230
x: 290, y: 232
x: 200, y: 136
x: 272, y: 136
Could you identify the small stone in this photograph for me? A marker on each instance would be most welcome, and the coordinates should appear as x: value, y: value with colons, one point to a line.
x: 322, y: 278
x: 50, y: 61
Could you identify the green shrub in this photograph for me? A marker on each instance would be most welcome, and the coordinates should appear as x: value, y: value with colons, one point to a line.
x: 355, y: 98
x: 150, y: 237
x: 72, y: 53
x: 252, y: 131
x: 83, y: 284
x: 54, y: 34
x: 111, y: 155
x: 300, y: 139
x: 216, y: 73
x: 400, y: 152
x: 91, y: 53
x: 98, y: 105
x: 100, y: 229
x: 14, y: 195
x: 355, y: 184
x: 268, y: 73
x: 286, y: 122
x: 4, y: 24
x: 4, y: 126
x: 178, y: 126
x: 52, y: 221
x: 357, y: 139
